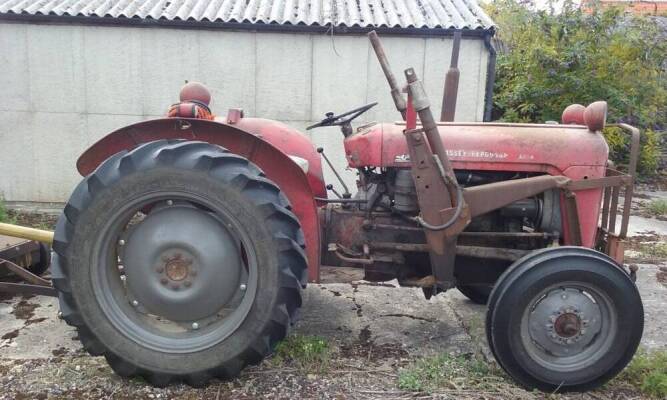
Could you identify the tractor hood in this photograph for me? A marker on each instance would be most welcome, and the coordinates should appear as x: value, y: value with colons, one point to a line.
x: 551, y: 149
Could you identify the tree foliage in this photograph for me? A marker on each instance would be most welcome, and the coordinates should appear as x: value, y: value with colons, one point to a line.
x: 550, y: 60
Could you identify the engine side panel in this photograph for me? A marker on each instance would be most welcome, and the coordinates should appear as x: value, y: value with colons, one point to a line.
x: 492, y: 146
x: 299, y: 188
x: 572, y: 151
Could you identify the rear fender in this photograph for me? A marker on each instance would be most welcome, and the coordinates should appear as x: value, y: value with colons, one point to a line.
x: 277, y: 166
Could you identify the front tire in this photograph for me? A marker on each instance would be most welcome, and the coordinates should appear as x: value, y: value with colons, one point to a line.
x: 179, y: 261
x: 564, y: 319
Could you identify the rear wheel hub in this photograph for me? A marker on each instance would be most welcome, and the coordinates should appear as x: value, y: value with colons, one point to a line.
x: 182, y: 263
x: 176, y: 268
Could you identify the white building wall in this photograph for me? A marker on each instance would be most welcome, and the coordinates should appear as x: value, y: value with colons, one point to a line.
x: 64, y: 87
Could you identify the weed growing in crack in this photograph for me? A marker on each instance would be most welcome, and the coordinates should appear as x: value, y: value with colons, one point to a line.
x: 654, y: 250
x: 308, y: 353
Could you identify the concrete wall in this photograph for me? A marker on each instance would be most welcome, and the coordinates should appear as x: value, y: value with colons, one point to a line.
x: 64, y: 87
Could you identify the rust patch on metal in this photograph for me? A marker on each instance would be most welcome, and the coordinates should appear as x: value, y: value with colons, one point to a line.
x: 567, y: 325
x: 177, y: 269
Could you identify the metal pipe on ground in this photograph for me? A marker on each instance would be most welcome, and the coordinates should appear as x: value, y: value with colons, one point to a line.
x: 26, y: 233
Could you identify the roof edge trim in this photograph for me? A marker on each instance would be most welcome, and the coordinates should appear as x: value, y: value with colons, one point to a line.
x: 478, y: 32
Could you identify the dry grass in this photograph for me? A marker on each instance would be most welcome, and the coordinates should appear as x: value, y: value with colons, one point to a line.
x: 432, y: 374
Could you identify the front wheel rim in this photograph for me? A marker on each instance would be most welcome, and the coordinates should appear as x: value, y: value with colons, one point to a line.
x: 569, y: 327
x: 153, y: 328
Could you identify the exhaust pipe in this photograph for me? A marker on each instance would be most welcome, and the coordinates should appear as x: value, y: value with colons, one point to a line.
x: 451, y: 82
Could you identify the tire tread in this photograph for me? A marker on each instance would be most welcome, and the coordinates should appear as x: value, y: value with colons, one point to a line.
x: 228, y: 168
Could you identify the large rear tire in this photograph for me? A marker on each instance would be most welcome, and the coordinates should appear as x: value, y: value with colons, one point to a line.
x: 179, y: 261
x: 476, y: 277
x: 476, y: 294
x: 40, y: 267
x: 564, y: 319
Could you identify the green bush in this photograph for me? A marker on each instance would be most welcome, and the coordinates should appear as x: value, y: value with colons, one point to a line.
x: 619, y: 149
x: 556, y: 59
x: 5, y: 216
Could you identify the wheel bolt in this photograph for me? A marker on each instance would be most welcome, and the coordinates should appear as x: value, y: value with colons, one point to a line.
x: 121, y: 268
x: 121, y: 242
x: 159, y: 270
x: 187, y: 283
x: 193, y: 272
x: 135, y: 303
x: 243, y: 287
x: 175, y: 287
x: 195, y: 325
x: 163, y: 281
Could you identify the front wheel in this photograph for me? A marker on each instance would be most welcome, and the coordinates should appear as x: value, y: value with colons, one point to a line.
x: 179, y: 261
x: 564, y: 319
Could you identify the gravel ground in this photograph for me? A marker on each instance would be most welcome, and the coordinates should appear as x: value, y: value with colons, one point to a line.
x: 373, y: 332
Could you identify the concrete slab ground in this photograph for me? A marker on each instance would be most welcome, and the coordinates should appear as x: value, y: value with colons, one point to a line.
x: 40, y: 355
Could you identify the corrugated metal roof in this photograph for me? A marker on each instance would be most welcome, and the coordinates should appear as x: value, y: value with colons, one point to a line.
x: 419, y: 14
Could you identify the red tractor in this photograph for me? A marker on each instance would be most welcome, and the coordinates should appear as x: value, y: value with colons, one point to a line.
x: 183, y: 253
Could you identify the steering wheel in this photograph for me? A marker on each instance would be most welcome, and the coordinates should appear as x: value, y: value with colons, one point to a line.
x: 342, y: 119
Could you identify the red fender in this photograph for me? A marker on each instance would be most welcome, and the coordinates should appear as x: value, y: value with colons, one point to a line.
x: 277, y: 165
